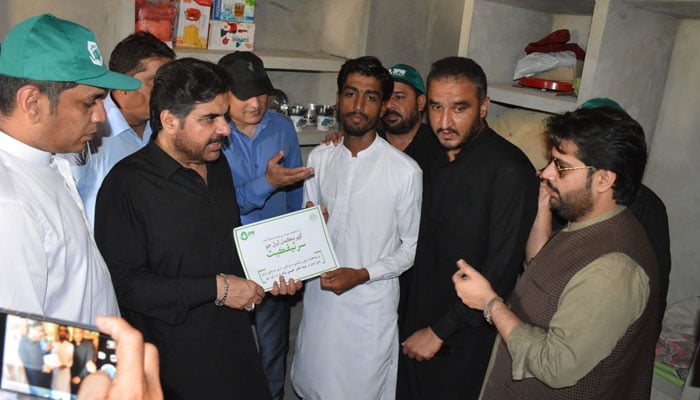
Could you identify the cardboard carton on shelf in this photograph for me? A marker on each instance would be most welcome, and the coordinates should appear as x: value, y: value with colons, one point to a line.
x: 192, y: 24
x: 229, y: 35
x: 562, y: 74
x: 234, y: 10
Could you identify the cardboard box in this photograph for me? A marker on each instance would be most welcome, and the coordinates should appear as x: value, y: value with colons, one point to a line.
x: 192, y: 24
x: 234, y: 10
x: 563, y: 74
x: 229, y: 35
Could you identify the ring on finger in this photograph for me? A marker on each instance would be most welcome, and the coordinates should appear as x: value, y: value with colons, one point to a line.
x: 250, y: 308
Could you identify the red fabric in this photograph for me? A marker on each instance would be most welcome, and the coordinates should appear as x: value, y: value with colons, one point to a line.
x: 556, y: 42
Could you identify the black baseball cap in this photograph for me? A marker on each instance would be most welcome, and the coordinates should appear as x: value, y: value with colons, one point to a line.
x: 246, y: 74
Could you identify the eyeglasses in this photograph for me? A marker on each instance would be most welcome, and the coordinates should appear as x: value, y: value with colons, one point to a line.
x: 561, y: 169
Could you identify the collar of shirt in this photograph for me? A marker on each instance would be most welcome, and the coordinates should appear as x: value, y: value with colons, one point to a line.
x: 21, y: 150
x: 575, y: 226
x: 117, y: 123
x: 372, y: 148
x: 266, y: 119
x: 163, y: 163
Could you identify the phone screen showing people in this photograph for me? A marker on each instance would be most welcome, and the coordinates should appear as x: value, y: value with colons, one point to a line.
x: 49, y: 358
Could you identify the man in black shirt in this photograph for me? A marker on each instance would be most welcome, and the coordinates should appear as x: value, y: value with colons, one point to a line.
x: 401, y: 123
x: 164, y: 223
x: 479, y: 202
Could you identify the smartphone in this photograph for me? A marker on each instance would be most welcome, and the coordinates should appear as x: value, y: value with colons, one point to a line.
x: 48, y: 358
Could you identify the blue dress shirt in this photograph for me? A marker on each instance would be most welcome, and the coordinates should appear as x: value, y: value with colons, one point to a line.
x: 248, y: 158
x: 114, y: 140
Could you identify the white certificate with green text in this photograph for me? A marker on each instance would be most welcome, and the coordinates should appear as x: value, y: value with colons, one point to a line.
x: 294, y: 245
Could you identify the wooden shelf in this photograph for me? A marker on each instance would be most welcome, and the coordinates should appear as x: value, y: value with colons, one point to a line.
x: 277, y: 59
x: 532, y: 98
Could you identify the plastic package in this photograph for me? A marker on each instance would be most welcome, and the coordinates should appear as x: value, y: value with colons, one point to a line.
x: 534, y: 63
x: 156, y: 17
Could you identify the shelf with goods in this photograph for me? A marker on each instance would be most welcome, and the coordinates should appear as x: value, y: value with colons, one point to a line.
x: 628, y: 46
x: 495, y: 33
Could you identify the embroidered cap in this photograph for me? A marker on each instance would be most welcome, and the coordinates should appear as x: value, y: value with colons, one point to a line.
x: 408, y: 75
x: 246, y: 73
x: 47, y: 48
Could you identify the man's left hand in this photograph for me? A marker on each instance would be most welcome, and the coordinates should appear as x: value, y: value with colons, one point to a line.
x: 422, y: 345
x: 343, y: 279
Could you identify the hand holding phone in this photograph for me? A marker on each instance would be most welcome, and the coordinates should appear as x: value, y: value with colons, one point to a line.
x: 47, y: 357
x: 137, y: 375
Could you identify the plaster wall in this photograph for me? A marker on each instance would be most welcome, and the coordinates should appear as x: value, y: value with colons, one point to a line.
x: 674, y: 166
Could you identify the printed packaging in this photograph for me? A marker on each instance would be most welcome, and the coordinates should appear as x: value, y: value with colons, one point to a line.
x: 193, y: 24
x: 234, y: 10
x: 229, y: 35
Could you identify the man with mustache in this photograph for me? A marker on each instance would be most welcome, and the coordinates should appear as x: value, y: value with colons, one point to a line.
x: 347, y: 342
x: 649, y: 209
x: 265, y: 160
x: 479, y: 201
x: 402, y: 122
x: 164, y: 222
x: 50, y: 102
x: 583, y: 319
x: 127, y: 129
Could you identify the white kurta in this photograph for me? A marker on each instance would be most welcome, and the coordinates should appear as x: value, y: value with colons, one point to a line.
x: 347, y: 345
x: 50, y: 263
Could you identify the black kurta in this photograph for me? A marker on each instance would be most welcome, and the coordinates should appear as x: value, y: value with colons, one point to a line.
x: 423, y: 145
x: 165, y: 234
x: 479, y: 207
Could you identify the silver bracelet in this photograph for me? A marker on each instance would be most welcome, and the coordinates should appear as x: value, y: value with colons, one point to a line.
x: 489, y: 306
x: 220, y: 302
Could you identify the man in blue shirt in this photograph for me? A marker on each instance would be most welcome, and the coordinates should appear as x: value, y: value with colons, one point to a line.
x: 127, y: 129
x: 265, y: 160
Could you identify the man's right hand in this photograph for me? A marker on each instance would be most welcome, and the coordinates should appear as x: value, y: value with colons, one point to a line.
x: 324, y: 209
x: 278, y: 176
x: 137, y: 376
x: 243, y: 294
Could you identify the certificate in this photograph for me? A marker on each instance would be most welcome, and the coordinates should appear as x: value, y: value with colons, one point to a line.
x: 294, y: 245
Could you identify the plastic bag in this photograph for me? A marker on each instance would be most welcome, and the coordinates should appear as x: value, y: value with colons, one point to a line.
x: 534, y: 63
x: 157, y: 18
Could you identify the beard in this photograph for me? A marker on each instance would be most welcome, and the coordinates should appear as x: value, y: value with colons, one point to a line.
x: 358, y: 130
x: 401, y: 126
x: 196, y: 152
x: 473, y: 132
x: 572, y: 205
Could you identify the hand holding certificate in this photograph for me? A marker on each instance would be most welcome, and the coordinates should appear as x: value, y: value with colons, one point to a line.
x: 294, y: 245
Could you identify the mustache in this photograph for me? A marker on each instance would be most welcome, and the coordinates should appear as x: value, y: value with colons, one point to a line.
x: 350, y: 114
x: 447, y: 130
x: 391, y: 112
x: 217, y: 139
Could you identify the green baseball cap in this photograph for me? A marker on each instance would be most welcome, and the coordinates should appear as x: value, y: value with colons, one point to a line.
x: 46, y: 48
x: 598, y: 102
x: 408, y: 75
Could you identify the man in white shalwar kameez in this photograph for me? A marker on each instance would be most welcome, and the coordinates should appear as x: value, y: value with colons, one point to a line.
x: 347, y: 346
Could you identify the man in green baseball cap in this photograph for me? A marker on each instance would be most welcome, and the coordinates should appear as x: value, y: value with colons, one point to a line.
x: 52, y: 82
x: 402, y: 124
